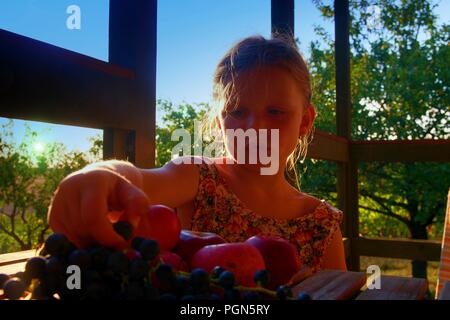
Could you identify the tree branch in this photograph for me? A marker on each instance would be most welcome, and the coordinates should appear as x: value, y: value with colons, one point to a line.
x: 435, y: 210
x: 389, y: 214
x: 381, y: 201
x: 12, y: 235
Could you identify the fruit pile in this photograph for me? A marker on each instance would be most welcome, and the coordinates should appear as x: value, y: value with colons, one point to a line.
x: 161, y: 263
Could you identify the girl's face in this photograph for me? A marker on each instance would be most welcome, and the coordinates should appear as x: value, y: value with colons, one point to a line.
x: 269, y: 98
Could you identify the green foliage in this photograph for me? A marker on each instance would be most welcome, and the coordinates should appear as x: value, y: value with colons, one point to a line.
x: 174, y: 117
x: 28, y: 179
x: 399, y: 87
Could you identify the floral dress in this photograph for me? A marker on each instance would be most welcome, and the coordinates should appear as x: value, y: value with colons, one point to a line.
x: 219, y: 210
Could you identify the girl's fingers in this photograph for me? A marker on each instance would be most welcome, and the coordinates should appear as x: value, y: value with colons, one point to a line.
x: 59, y: 222
x: 132, y: 200
x: 94, y: 214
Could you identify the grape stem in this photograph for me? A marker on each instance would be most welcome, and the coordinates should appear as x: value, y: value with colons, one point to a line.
x: 258, y: 289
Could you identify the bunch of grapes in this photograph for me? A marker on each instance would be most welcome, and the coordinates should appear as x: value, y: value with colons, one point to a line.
x: 136, y: 273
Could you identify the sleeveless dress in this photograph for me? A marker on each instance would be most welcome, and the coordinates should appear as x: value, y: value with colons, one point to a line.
x: 219, y: 210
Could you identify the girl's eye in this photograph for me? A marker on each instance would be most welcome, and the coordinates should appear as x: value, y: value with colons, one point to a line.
x: 275, y: 112
x: 236, y: 113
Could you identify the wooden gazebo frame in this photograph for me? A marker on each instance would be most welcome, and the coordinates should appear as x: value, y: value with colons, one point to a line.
x: 42, y: 82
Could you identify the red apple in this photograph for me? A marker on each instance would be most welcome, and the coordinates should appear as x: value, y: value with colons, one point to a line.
x: 240, y: 258
x: 280, y: 257
x: 192, y: 241
x: 161, y: 224
x: 174, y: 260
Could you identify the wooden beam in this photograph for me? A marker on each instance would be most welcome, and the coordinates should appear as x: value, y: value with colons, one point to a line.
x: 347, y: 248
x: 342, y: 58
x: 326, y: 146
x: 347, y: 173
x: 132, y: 44
x: 401, y: 151
x: 282, y: 17
x: 42, y: 82
x: 119, y: 144
x: 425, y: 250
x: 347, y: 192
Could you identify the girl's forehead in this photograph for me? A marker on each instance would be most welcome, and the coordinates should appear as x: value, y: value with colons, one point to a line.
x: 268, y: 85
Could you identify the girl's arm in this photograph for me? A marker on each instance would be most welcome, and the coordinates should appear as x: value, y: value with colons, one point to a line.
x: 334, y: 255
x: 172, y: 185
x: 81, y: 203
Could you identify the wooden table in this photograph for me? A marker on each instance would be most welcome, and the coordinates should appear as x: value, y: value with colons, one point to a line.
x: 324, y: 285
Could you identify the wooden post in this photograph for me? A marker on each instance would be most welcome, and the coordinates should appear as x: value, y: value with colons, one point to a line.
x: 347, y: 173
x: 132, y: 44
x: 282, y: 16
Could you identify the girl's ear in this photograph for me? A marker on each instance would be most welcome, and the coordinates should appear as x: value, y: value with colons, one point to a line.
x: 307, y: 120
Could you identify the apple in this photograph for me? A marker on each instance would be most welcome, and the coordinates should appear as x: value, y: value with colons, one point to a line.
x: 174, y: 260
x: 280, y: 257
x: 161, y: 223
x: 240, y: 258
x: 192, y: 241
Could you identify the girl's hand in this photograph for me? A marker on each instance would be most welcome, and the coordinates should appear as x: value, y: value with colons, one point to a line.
x: 80, y: 205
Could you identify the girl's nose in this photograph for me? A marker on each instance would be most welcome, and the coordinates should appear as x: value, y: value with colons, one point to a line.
x: 256, y: 122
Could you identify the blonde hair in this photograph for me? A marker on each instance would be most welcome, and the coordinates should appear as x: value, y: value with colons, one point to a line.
x: 246, y: 55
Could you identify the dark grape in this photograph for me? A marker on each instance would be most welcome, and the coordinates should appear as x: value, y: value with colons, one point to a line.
x: 182, y: 286
x: 201, y: 296
x: 232, y: 294
x: 3, y: 278
x: 188, y: 297
x: 166, y: 277
x: 167, y: 297
x: 199, y: 280
x: 149, y: 249
x: 52, y: 283
x: 54, y: 266
x: 39, y: 292
x: 124, y: 229
x: 23, y: 277
x: 135, y: 290
x: 80, y: 258
x: 216, y: 271
x: 262, y: 278
x: 283, y: 292
x: 215, y: 297
x: 94, y: 291
x: 226, y: 280
x: 303, y: 296
x: 35, y: 267
x: 136, y: 242
x: 118, y: 262
x: 150, y: 292
x: 138, y: 269
x: 99, y: 257
x: 14, y: 288
x: 57, y: 244
x: 91, y: 276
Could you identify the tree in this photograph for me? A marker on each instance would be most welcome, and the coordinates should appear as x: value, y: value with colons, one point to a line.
x: 174, y: 117
x: 28, y: 178
x: 399, y: 87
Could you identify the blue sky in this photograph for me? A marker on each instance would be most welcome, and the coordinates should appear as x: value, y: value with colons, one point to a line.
x: 192, y: 37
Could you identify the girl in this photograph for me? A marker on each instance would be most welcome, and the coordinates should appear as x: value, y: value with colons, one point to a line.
x: 258, y: 84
